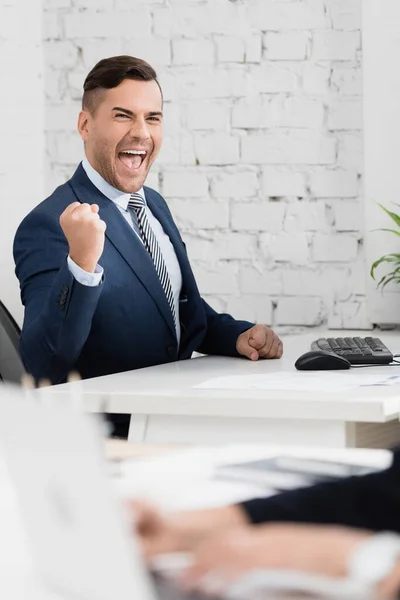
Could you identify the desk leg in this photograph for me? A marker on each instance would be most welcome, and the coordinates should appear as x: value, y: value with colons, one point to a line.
x: 373, y: 435
x: 137, y: 429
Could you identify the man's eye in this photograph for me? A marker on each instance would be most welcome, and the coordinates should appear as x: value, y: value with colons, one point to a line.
x: 122, y: 115
x: 154, y: 119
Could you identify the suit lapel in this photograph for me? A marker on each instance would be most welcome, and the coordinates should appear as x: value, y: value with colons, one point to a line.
x: 126, y: 242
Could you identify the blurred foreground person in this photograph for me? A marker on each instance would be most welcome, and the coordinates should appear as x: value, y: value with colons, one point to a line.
x: 337, y: 529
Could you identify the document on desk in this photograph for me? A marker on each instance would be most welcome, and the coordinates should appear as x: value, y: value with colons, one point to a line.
x: 314, y: 381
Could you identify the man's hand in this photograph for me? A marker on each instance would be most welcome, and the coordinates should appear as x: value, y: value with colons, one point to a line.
x: 84, y: 231
x: 221, y: 560
x: 179, y: 532
x: 259, y: 342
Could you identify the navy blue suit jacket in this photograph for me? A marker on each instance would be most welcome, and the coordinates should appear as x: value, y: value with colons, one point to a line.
x: 124, y: 323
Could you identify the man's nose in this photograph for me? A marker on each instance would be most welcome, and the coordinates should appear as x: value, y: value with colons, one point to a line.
x: 140, y: 129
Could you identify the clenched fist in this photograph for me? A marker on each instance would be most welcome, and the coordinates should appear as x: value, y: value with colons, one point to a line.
x: 84, y: 231
x: 259, y: 342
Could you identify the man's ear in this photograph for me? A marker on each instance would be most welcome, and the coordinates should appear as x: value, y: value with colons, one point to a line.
x: 83, y: 124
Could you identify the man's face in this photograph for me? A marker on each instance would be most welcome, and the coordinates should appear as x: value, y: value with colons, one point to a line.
x: 124, y: 135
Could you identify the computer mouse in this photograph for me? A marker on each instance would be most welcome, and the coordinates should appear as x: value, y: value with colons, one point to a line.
x: 321, y: 361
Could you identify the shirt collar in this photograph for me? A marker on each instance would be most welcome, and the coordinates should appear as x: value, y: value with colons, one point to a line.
x: 116, y: 196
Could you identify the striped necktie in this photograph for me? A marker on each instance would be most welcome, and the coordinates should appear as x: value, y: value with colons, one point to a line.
x: 138, y: 204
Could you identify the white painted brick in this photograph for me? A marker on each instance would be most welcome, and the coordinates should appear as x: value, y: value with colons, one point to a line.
x: 258, y: 216
x: 346, y: 114
x: 68, y: 147
x: 278, y: 112
x: 334, y: 248
x: 153, y: 180
x: 211, y: 247
x: 272, y: 78
x: 350, y: 150
x: 222, y: 82
x: 187, y: 151
x: 359, y: 273
x: 164, y: 22
x: 348, y: 215
x: 254, y: 48
x: 284, y: 247
x: 347, y: 80
x: 256, y: 279
x: 54, y: 4
x: 98, y: 5
x: 306, y: 215
x: 127, y: 4
x: 216, y: 148
x: 62, y: 54
x: 75, y: 81
x: 221, y: 280
x: 230, y: 49
x: 334, y: 184
x: 51, y: 26
x: 281, y: 16
x: 234, y: 184
x: 155, y: 52
x: 62, y: 116
x: 335, y: 45
x: 99, y: 25
x: 184, y: 184
x: 229, y: 19
x: 287, y: 45
x: 295, y: 146
x: 172, y: 117
x: 350, y: 315
x: 93, y: 50
x: 54, y: 85
x: 279, y: 183
x: 316, y: 78
x: 345, y: 14
x: 192, y: 52
x: 207, y: 114
x: 200, y: 214
x: 251, y: 308
x: 300, y: 311
x: 170, y: 151
x: 314, y: 282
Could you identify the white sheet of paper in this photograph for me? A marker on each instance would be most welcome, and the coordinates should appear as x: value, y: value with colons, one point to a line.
x: 323, y: 381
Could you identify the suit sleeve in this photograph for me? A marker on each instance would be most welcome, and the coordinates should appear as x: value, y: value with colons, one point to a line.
x: 222, y: 333
x: 366, y: 502
x: 58, y: 309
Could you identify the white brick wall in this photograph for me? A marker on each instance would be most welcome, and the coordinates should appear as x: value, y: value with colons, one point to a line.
x: 262, y: 161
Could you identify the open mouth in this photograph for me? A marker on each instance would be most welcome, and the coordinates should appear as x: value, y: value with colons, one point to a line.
x: 132, y: 159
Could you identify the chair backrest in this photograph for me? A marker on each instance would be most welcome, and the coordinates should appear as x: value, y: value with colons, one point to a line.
x: 11, y: 367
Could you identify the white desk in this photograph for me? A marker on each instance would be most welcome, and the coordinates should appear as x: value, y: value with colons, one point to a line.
x: 166, y: 408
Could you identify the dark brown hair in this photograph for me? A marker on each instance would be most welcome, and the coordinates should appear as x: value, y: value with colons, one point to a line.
x: 109, y: 73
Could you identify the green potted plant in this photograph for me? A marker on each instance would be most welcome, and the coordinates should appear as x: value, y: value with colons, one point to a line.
x: 392, y: 259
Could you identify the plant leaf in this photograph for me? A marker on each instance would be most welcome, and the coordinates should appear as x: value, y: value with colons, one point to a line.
x: 390, y: 230
x: 392, y: 215
x: 388, y: 258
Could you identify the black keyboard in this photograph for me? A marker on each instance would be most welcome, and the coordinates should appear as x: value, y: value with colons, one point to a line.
x: 358, y: 351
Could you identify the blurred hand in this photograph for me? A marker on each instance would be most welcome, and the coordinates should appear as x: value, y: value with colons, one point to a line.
x: 84, y: 231
x: 180, y: 531
x: 322, y: 550
x: 259, y: 342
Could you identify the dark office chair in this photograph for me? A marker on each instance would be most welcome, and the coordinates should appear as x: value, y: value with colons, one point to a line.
x: 11, y: 367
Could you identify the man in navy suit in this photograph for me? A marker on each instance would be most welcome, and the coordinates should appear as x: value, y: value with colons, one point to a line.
x: 104, y: 274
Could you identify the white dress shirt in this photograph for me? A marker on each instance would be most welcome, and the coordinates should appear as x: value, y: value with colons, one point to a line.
x: 121, y: 200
